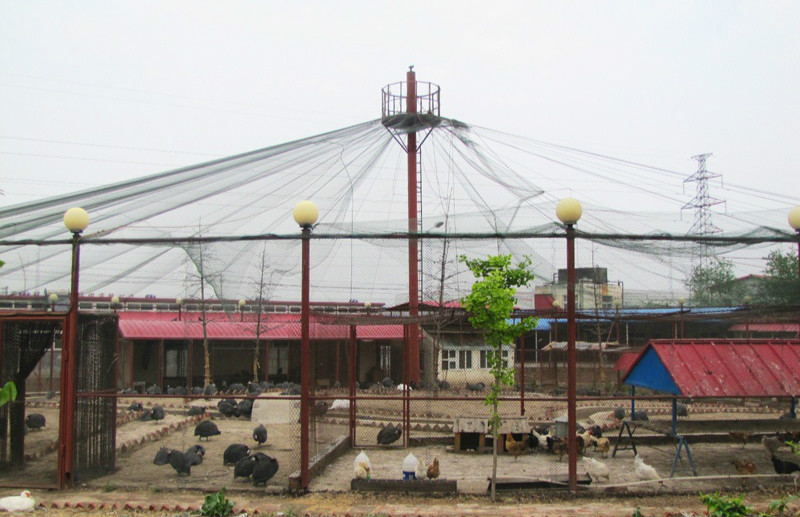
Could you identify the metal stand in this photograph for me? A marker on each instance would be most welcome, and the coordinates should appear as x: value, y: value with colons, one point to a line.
x: 682, y: 443
x: 625, y: 427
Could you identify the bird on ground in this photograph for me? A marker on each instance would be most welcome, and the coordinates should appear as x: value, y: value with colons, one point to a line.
x: 580, y: 444
x: 197, y: 449
x: 264, y: 470
x: 50, y: 395
x: 619, y: 412
x: 146, y: 415
x: 157, y: 413
x: 560, y: 448
x: 387, y: 382
x: 784, y: 467
x: 596, y: 469
x: 361, y: 470
x: 206, y: 429
x: 196, y: 410
x: 254, y: 388
x: 603, y: 445
x: 227, y: 409
x: 260, y: 435
x: 193, y: 457
x: 153, y: 390
x: 516, y: 447
x: 180, y: 461
x: 210, y: 389
x: 236, y: 387
x: 478, y: 386
x: 643, y: 470
x: 389, y: 434
x: 588, y: 438
x: 35, y: 421
x: 744, y: 467
x: 162, y: 456
x: 18, y: 503
x: 740, y: 436
x: 245, y: 408
x: 433, y: 469
x: 681, y: 409
x: 641, y: 416
x: 771, y: 443
x: 197, y: 390
x: 421, y: 470
x: 234, y: 453
x: 181, y: 390
x: 136, y: 406
x: 244, y: 467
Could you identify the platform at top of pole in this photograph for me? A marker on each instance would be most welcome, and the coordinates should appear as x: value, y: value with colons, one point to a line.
x: 395, y: 114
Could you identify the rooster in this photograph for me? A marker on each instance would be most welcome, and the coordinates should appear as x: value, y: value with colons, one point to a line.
x: 433, y: 469
x: 516, y: 447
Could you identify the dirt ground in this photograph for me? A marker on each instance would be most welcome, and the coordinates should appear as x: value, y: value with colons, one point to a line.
x: 138, y: 482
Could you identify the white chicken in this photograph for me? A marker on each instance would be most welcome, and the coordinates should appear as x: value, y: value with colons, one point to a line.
x: 422, y: 470
x: 643, y: 470
x: 596, y: 469
x: 18, y: 503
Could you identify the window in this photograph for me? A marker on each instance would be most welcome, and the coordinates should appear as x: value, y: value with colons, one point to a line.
x: 484, y: 360
x: 385, y: 359
x: 465, y: 359
x: 448, y: 360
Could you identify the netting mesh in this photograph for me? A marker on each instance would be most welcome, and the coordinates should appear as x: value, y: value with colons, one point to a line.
x: 474, y: 181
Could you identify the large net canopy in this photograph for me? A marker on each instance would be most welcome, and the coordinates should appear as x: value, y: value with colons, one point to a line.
x: 227, y: 224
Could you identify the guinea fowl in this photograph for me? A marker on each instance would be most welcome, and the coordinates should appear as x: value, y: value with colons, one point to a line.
x: 206, y: 429
x: 244, y: 467
x: 227, y: 409
x: 135, y: 406
x: 264, y: 470
x: 162, y: 456
x: 197, y: 449
x: 157, y: 413
x: 245, y: 408
x: 234, y: 453
x: 35, y: 421
x: 180, y: 461
x: 260, y: 435
x: 196, y: 410
x: 389, y: 434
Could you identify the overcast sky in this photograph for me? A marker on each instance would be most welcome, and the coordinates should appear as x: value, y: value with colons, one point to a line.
x: 96, y: 92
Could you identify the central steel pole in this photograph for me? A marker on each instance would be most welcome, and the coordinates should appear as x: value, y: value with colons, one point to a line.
x: 413, y: 219
x: 571, y: 360
x: 305, y: 355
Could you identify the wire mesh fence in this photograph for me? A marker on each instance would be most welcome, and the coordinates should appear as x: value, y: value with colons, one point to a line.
x: 213, y: 353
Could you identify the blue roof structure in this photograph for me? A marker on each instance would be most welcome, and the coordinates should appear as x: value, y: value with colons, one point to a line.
x: 650, y: 372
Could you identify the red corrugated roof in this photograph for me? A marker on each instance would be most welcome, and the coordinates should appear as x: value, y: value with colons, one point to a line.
x: 231, y: 330
x: 625, y: 361
x: 765, y: 327
x: 731, y: 367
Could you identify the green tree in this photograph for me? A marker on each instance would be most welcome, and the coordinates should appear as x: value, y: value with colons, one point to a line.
x: 781, y: 285
x: 715, y: 284
x: 489, y: 305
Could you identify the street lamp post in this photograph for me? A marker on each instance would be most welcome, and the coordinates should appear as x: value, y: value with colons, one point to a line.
x: 76, y: 220
x: 305, y: 214
x: 179, y: 301
x: 242, y: 303
x: 794, y: 222
x: 569, y: 212
x: 114, y: 303
x: 53, y: 299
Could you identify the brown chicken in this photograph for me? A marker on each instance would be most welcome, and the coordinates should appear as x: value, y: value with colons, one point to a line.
x: 559, y: 448
x: 433, y: 469
x: 744, y: 467
x: 740, y: 436
x: 516, y: 447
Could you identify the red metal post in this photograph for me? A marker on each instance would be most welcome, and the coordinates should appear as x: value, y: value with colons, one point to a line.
x: 338, y: 362
x: 266, y: 361
x: 413, y: 250
x: 522, y: 377
x: 571, y: 360
x: 68, y: 352
x: 305, y: 355
x: 352, y: 388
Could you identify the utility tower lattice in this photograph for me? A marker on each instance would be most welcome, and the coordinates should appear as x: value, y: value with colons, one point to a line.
x: 702, y: 202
